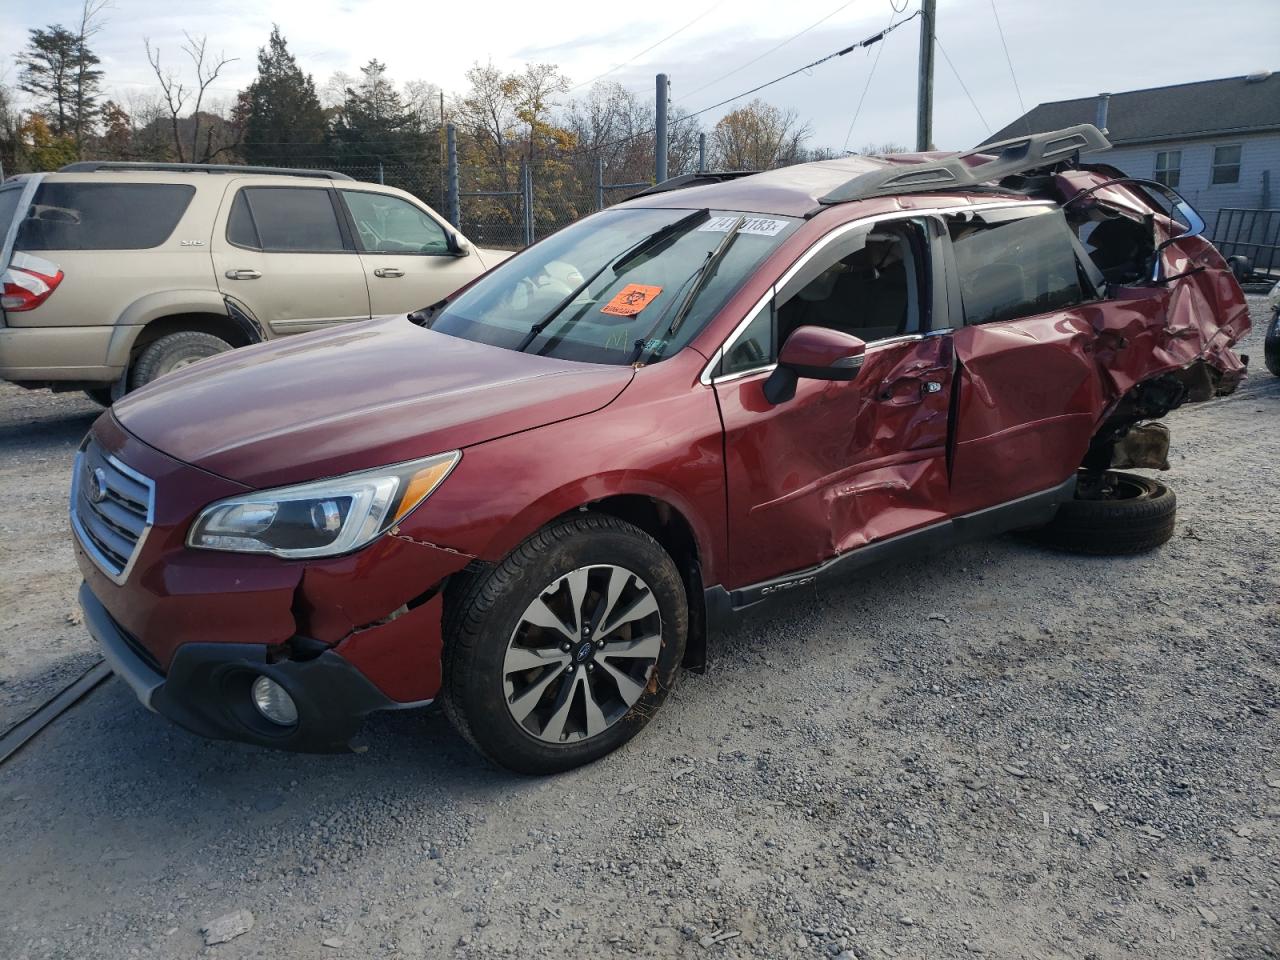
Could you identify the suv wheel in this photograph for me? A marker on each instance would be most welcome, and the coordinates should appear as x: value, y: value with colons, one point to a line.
x: 1131, y: 514
x: 1271, y: 346
x: 566, y: 649
x: 171, y: 352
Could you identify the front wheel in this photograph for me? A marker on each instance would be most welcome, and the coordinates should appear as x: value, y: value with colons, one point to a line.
x: 1124, y: 513
x: 565, y: 650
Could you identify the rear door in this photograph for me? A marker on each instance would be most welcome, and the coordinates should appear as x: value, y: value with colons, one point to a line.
x: 406, y: 254
x: 285, y: 253
x: 1029, y: 392
x: 840, y: 464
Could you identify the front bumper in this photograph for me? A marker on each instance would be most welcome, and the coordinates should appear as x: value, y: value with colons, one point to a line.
x: 206, y: 688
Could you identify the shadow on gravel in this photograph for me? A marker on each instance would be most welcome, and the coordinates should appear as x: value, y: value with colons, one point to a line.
x: 46, y: 429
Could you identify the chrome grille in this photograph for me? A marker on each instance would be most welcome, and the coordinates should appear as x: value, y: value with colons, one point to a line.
x: 111, y: 510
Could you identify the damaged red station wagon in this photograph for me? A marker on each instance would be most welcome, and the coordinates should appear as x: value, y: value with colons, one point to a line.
x: 538, y: 499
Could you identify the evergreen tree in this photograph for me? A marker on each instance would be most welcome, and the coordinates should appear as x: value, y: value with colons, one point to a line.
x: 283, y: 120
x: 374, y: 124
x: 60, y: 71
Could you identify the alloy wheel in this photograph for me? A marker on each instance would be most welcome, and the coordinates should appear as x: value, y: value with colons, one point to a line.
x: 582, y: 653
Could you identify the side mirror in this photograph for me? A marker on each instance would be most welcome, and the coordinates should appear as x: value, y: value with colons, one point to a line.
x: 459, y: 245
x: 817, y: 353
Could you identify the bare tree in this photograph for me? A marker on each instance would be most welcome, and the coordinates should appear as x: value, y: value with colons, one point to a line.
x: 176, y: 93
x: 86, y: 88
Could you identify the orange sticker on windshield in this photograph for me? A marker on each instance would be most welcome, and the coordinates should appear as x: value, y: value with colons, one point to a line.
x: 630, y: 300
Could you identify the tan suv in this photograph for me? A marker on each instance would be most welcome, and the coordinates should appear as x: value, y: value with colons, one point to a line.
x: 116, y: 273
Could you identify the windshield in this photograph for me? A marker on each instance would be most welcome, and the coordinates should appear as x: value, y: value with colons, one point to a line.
x: 603, y: 291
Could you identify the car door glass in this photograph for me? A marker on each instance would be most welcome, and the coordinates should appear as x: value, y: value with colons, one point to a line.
x: 289, y: 220
x: 869, y: 285
x: 387, y: 224
x: 1015, y: 268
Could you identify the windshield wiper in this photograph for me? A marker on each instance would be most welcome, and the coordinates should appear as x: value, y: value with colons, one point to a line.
x: 701, y: 277
x: 631, y: 253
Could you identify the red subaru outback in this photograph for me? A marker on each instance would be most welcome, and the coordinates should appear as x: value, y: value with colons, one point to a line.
x: 538, y: 499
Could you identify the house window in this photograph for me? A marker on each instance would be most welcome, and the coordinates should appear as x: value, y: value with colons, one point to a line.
x: 1226, y: 165
x: 1169, y: 167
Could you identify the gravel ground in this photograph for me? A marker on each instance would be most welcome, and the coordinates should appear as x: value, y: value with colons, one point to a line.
x: 996, y: 751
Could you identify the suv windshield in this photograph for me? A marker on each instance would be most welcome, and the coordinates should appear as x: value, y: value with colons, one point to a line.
x: 541, y: 300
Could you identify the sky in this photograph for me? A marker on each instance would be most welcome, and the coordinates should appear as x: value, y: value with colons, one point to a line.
x: 1058, y: 50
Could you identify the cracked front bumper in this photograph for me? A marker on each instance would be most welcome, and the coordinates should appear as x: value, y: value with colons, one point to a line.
x: 206, y: 688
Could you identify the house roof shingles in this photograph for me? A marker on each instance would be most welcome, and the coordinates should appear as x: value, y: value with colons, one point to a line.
x: 1182, y: 111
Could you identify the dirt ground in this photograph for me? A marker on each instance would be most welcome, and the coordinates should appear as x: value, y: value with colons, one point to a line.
x: 995, y: 751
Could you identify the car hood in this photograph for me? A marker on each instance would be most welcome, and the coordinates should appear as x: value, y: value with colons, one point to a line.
x: 369, y: 394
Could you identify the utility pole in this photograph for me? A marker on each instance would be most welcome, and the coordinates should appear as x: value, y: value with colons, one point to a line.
x: 924, y: 97
x: 660, y: 137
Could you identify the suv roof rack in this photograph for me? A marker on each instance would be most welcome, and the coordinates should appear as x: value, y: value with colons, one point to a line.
x: 92, y: 166
x: 699, y: 179
x: 1019, y: 155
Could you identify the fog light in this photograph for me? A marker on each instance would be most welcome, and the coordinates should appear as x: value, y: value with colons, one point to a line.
x: 274, y: 702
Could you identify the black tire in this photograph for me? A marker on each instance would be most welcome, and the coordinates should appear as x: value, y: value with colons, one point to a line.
x: 484, y: 613
x: 1271, y: 346
x: 99, y: 395
x: 172, y: 351
x: 1140, y: 516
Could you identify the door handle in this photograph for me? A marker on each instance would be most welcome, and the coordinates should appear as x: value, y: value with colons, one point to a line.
x: 242, y: 274
x: 388, y: 272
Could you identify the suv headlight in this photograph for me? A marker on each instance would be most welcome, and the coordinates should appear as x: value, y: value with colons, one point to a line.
x: 320, y: 519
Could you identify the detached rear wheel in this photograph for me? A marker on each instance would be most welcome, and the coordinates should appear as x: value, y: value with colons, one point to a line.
x: 173, y: 352
x: 565, y: 650
x: 1125, y: 513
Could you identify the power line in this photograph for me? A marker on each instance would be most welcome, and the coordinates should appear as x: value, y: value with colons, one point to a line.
x: 772, y: 49
x: 655, y: 46
x: 868, y: 41
x: 858, y: 112
x: 960, y: 80
x: 1009, y: 60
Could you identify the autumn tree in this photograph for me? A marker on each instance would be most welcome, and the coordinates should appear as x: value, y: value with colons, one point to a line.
x: 45, y: 149
x: 280, y: 111
x: 758, y: 136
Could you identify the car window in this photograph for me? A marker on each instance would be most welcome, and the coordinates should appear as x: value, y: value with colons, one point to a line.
x: 102, y: 216
x: 8, y: 207
x: 627, y: 309
x: 869, y: 284
x: 1015, y: 268
x: 286, y: 220
x: 754, y: 347
x: 391, y: 225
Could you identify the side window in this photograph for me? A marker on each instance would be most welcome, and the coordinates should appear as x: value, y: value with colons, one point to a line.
x: 285, y: 220
x: 871, y: 284
x: 754, y: 347
x: 102, y: 216
x: 388, y: 224
x: 1226, y: 165
x: 1015, y: 268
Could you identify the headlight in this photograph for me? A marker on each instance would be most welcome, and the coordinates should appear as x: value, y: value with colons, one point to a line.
x: 320, y: 519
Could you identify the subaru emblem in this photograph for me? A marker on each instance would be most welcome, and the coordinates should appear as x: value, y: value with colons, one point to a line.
x: 97, y: 485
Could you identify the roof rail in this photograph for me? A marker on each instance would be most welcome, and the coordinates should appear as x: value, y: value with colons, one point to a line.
x: 1011, y: 157
x: 93, y: 166
x: 699, y: 179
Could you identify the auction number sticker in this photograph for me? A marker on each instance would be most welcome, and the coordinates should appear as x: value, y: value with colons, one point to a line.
x: 755, y: 226
x: 630, y: 300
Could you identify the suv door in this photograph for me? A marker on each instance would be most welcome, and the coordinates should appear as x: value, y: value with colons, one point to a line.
x: 840, y: 464
x: 1029, y: 388
x: 286, y: 255
x: 408, y: 260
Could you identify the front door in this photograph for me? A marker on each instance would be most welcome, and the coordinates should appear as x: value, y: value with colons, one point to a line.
x: 840, y: 464
x: 405, y: 252
x: 286, y: 256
